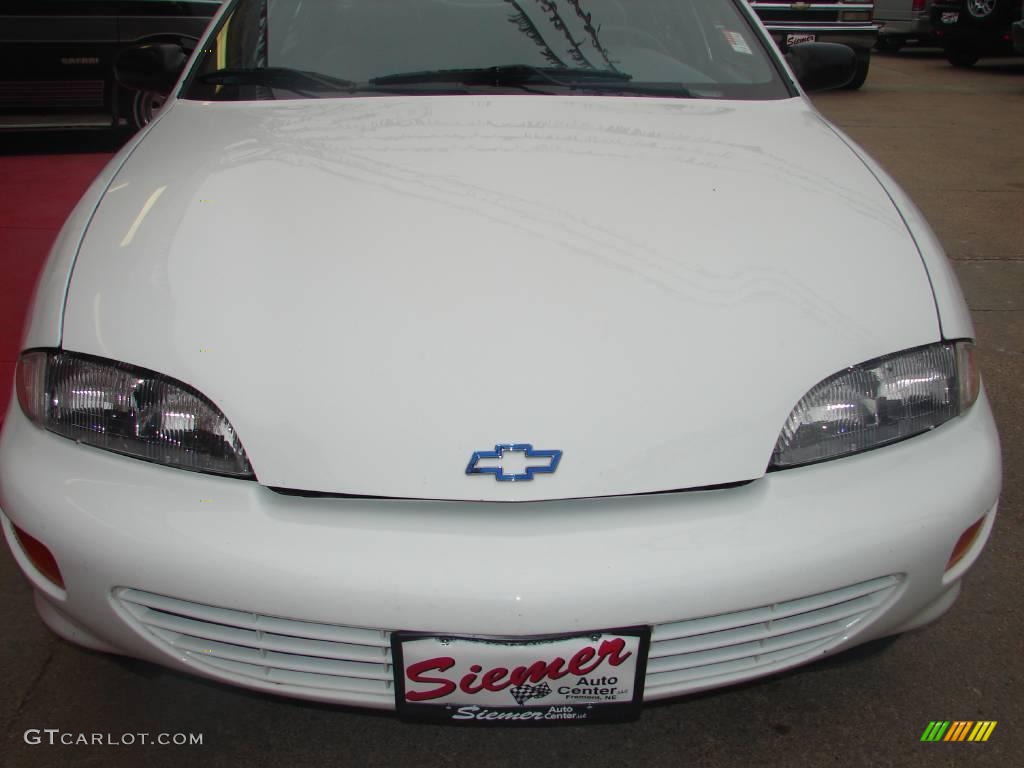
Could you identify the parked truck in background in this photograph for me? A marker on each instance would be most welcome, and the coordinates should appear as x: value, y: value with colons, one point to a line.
x: 903, y: 21
x: 969, y: 30
x: 850, y: 22
x: 57, y: 58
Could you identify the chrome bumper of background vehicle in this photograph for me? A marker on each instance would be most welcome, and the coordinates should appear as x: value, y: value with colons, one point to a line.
x: 54, y: 122
x: 916, y: 28
x: 855, y: 36
x: 821, y: 27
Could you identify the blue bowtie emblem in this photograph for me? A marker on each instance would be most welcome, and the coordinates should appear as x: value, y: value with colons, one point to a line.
x: 546, y: 462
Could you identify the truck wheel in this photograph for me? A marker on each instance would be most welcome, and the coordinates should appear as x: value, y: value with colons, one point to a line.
x: 888, y: 44
x: 961, y: 55
x: 982, y: 9
x: 144, y: 106
x: 863, y: 64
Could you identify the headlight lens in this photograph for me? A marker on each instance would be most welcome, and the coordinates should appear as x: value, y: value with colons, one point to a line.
x: 879, y: 402
x: 128, y: 410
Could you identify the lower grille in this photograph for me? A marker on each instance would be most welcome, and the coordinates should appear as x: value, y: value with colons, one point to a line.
x: 353, y: 665
x: 802, y: 17
x: 703, y: 653
x: 47, y: 94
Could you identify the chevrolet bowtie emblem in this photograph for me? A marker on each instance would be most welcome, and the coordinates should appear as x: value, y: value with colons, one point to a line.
x: 523, y: 456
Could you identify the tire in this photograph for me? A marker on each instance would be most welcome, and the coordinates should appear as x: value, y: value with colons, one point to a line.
x: 982, y: 10
x: 144, y: 106
x: 863, y: 64
x: 888, y: 44
x: 139, y: 107
x: 961, y: 55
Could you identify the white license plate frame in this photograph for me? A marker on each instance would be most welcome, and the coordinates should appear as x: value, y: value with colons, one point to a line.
x: 570, y: 685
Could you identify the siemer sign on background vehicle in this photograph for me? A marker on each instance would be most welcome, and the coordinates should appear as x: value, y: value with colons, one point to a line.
x: 456, y: 357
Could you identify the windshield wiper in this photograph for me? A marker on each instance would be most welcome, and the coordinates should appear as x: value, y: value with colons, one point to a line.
x: 521, y: 75
x: 314, y: 84
x: 294, y: 80
x: 668, y: 90
x: 506, y: 75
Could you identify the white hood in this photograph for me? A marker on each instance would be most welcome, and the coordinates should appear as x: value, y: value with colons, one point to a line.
x: 373, y: 289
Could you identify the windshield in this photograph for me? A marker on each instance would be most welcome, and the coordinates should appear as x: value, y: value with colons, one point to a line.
x: 275, y: 49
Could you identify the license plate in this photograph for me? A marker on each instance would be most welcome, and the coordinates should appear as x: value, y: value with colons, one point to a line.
x: 592, y: 677
x: 796, y: 39
x: 950, y: 17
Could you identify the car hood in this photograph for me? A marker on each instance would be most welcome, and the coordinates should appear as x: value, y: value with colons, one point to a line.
x: 374, y: 289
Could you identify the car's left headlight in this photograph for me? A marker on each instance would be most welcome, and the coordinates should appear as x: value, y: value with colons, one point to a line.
x: 879, y: 402
x: 128, y: 410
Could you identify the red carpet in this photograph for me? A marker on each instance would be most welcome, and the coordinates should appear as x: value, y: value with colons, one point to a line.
x: 36, y: 194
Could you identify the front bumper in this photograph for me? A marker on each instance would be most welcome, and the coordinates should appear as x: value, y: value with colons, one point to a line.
x: 155, y: 557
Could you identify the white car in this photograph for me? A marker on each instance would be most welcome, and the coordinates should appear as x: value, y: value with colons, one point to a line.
x: 494, y: 360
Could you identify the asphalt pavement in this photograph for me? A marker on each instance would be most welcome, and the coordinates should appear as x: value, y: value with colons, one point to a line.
x: 955, y: 140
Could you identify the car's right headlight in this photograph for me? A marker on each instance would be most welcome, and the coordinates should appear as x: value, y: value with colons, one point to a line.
x: 879, y: 402
x: 128, y: 410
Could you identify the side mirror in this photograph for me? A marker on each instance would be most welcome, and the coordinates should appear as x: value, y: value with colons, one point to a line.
x: 822, y: 66
x: 153, y: 67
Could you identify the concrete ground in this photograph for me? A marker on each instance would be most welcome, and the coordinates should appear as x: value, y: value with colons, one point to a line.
x: 955, y: 140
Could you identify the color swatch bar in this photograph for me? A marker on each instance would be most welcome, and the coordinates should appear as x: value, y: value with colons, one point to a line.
x: 958, y: 730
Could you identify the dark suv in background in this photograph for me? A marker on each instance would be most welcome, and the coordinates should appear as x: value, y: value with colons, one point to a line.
x: 825, y: 21
x: 57, y: 58
x: 972, y: 29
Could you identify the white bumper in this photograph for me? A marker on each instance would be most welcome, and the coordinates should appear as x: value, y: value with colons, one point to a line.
x: 496, y: 569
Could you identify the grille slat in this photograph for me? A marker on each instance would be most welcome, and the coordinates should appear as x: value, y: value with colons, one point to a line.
x: 680, y: 681
x: 802, y: 16
x: 202, y: 649
x: 241, y: 619
x: 375, y: 688
x: 752, y: 649
x: 353, y: 665
x: 850, y: 610
x: 262, y: 640
x: 769, y: 612
x: 51, y: 93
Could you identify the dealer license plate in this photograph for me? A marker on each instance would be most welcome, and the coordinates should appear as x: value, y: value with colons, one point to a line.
x: 592, y: 677
x: 797, y: 38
